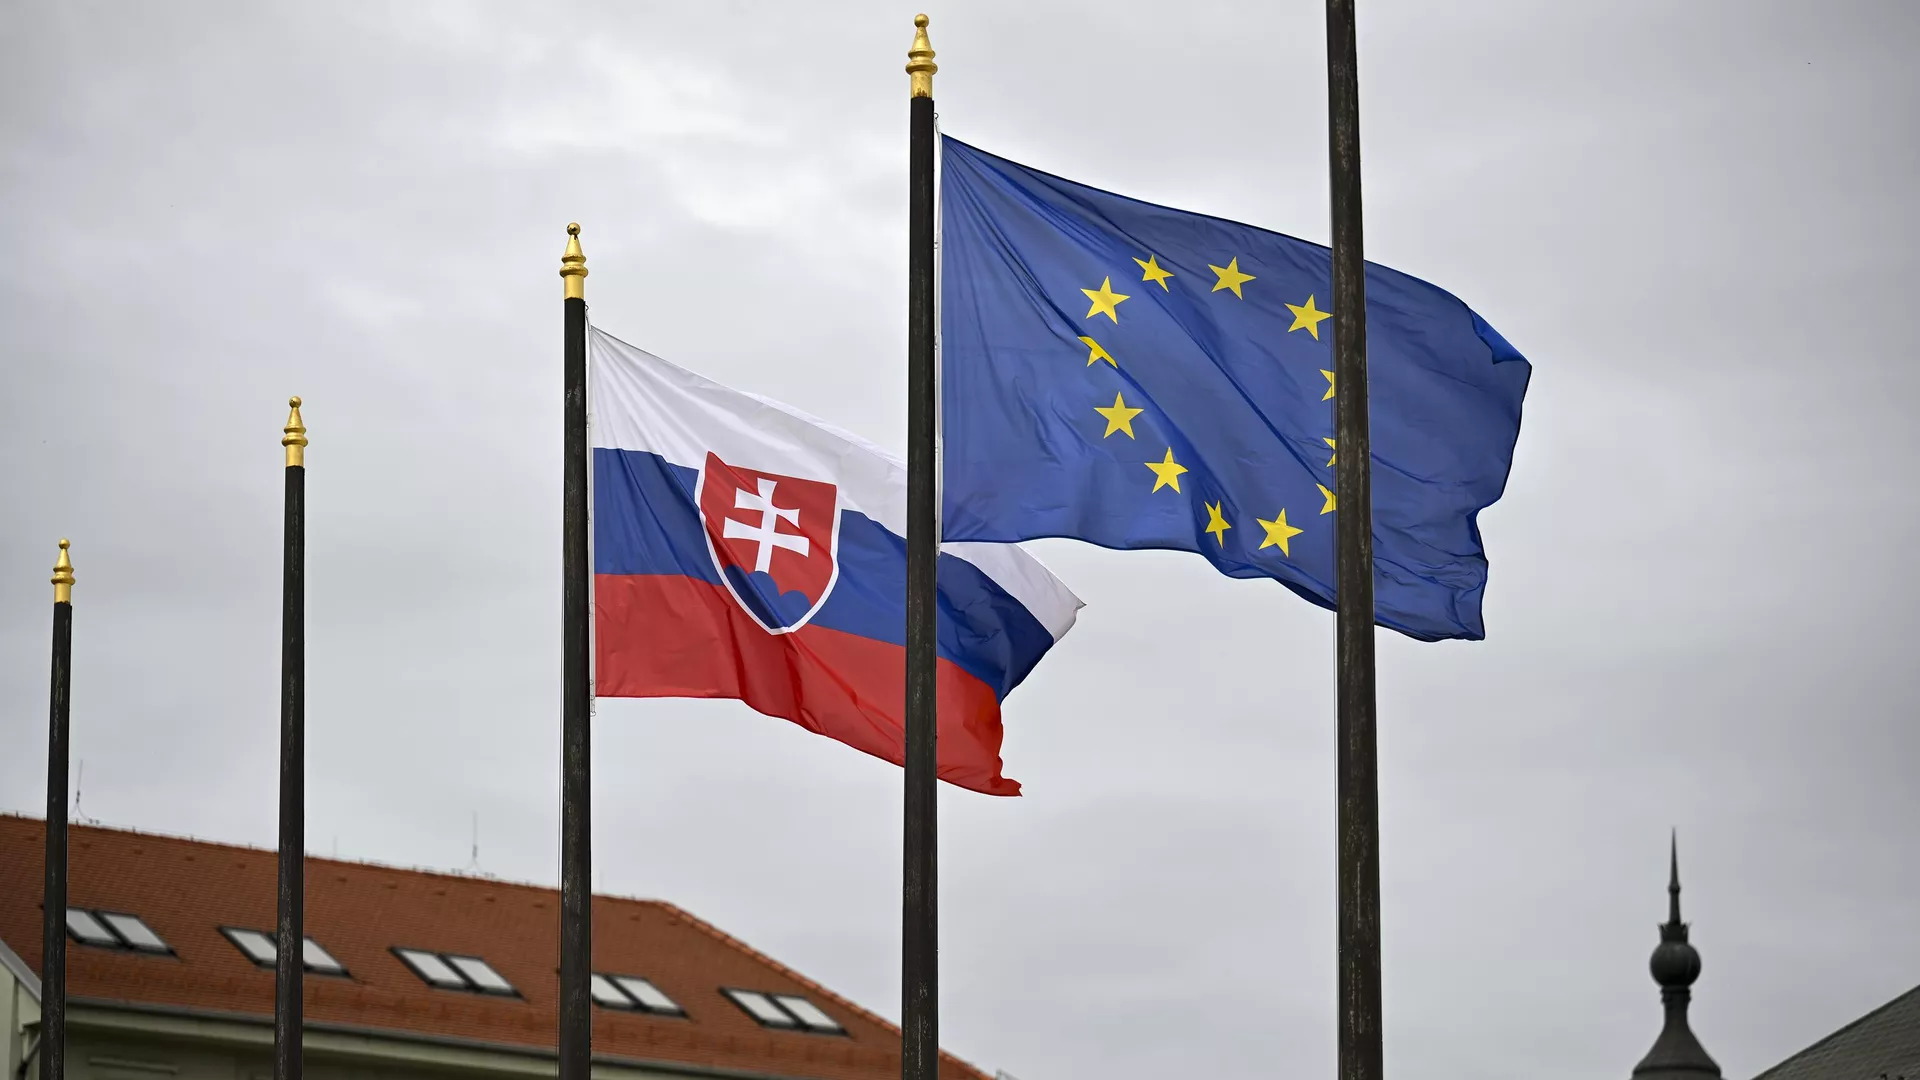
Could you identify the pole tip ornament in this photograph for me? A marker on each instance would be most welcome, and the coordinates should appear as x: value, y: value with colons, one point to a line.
x: 295, y: 436
x: 573, y: 265
x: 920, y: 63
x: 63, y: 576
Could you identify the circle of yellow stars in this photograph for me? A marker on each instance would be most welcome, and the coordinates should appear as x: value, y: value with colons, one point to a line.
x: 1119, y: 416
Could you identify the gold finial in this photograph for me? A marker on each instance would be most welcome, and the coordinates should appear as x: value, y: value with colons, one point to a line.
x: 920, y: 63
x: 63, y: 576
x: 295, y: 439
x: 573, y: 265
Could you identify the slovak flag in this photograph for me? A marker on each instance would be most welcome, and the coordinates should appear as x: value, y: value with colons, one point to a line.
x: 742, y: 549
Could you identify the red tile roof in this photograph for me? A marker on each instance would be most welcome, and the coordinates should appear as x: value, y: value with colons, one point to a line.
x: 187, y: 889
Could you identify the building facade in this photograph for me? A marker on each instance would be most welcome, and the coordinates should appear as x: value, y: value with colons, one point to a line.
x: 410, y: 976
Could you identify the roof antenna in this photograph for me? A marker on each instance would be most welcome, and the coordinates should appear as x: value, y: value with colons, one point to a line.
x: 78, y: 814
x: 473, y: 864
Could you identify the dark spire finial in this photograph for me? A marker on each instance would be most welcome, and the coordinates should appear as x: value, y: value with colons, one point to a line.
x: 1673, y: 883
x: 1676, y: 1054
x: 1675, y: 963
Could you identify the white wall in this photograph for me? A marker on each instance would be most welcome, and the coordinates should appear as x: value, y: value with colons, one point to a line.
x: 19, y: 1009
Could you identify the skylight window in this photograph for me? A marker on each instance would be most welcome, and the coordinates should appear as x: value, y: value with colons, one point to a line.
x: 481, y: 974
x: 135, y: 933
x: 787, y: 1011
x: 650, y: 997
x: 633, y: 993
x: 807, y: 1013
x: 608, y: 994
x: 434, y: 970
x: 319, y: 959
x: 112, y: 930
x: 451, y: 972
x: 261, y: 948
x: 761, y: 1008
x: 85, y: 928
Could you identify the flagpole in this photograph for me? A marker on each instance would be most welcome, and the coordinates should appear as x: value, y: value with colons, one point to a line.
x: 289, y: 964
x: 53, y: 941
x: 576, y: 849
x: 1358, y: 855
x: 919, y: 921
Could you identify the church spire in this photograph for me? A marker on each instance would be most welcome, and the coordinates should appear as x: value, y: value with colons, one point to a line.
x: 1676, y: 1054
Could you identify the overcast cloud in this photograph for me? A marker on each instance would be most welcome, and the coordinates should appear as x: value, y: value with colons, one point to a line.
x: 1697, y: 220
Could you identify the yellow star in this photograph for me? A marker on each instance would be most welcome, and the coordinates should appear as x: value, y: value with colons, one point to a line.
x: 1166, y: 473
x: 1119, y: 418
x: 1153, y: 272
x: 1330, y: 446
x: 1306, y: 317
x: 1278, y: 533
x: 1328, y: 495
x: 1216, y: 524
x: 1104, y: 300
x: 1095, y: 353
x: 1230, y: 276
x: 1328, y: 396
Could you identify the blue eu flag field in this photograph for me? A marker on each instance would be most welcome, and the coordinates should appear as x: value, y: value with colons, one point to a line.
x: 1141, y: 377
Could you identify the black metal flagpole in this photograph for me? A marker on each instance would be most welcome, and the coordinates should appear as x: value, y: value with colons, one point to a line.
x: 919, y: 917
x: 1358, y: 782
x: 576, y: 849
x: 53, y: 941
x: 289, y: 965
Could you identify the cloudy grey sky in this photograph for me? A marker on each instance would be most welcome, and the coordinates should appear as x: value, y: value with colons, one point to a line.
x: 1695, y: 219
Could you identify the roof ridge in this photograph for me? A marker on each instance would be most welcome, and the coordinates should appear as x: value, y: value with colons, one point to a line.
x: 871, y: 1017
x: 1835, y: 1034
x: 79, y: 826
x: 374, y: 864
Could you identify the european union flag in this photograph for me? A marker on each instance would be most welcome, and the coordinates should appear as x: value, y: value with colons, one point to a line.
x: 1141, y: 377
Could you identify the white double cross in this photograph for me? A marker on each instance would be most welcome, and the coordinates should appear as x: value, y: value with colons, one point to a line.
x: 763, y: 534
